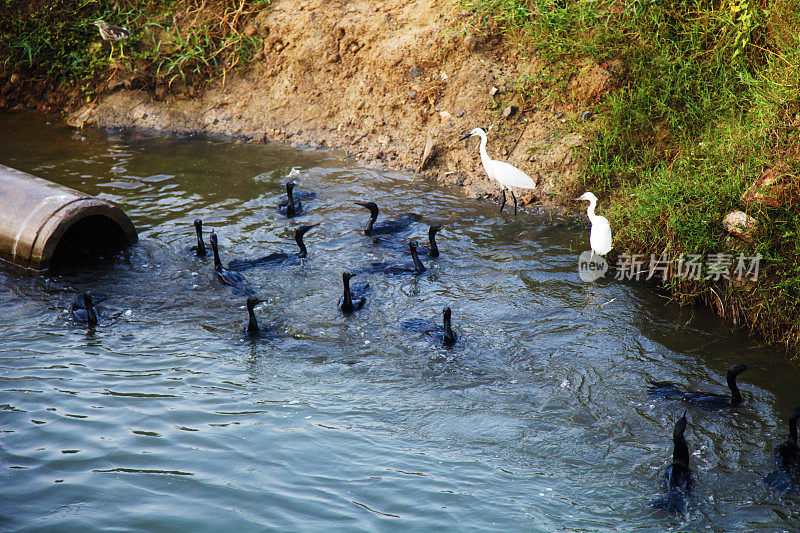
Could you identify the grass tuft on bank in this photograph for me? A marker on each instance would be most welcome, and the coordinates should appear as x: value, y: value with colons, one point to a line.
x: 174, y: 44
x: 711, y: 101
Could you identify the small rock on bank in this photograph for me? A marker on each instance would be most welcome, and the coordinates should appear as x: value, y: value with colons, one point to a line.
x: 741, y: 225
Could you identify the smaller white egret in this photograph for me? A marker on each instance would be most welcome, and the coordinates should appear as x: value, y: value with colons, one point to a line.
x: 505, y: 174
x: 600, y: 235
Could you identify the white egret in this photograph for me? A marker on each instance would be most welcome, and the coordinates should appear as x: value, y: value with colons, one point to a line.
x: 600, y: 236
x: 505, y: 174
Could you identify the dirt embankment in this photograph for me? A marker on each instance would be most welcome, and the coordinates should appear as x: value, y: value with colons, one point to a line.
x: 378, y: 79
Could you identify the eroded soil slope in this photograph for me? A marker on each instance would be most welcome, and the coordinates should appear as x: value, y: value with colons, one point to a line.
x: 378, y: 79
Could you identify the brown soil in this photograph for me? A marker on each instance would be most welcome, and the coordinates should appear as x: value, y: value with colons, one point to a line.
x: 377, y: 79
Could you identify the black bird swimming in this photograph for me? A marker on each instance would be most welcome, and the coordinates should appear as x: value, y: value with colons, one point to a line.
x: 252, y: 328
x: 276, y: 258
x: 705, y: 400
x: 298, y: 195
x: 432, y: 252
x: 292, y: 207
x: 678, y: 478
x: 787, y: 460
x: 83, y: 309
x: 352, y: 300
x: 200, y: 248
x: 441, y: 334
x: 97, y: 297
x: 227, y: 276
x: 396, y: 269
x: 387, y: 226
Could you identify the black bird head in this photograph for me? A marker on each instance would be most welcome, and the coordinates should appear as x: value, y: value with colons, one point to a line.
x: 680, y: 426
x: 298, y: 238
x: 795, y: 413
x: 87, y: 300
x: 432, y: 240
x: 449, y: 338
x: 289, y: 186
x: 346, y: 276
x: 735, y: 370
x: 215, y: 251
x: 680, y: 451
x: 252, y: 327
x: 372, y: 206
x: 302, y: 230
x: 201, y: 246
x: 419, y: 268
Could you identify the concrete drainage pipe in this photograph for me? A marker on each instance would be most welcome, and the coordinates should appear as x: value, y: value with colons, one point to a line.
x: 42, y: 223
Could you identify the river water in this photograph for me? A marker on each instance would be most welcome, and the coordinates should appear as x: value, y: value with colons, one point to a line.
x: 165, y: 418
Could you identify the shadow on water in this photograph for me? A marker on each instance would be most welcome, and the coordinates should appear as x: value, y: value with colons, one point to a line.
x: 166, y: 416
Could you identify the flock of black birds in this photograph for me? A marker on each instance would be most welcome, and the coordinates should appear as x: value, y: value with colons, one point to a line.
x: 677, y: 480
x: 353, y: 298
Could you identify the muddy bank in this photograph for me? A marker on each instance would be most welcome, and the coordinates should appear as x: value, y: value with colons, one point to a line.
x: 377, y: 80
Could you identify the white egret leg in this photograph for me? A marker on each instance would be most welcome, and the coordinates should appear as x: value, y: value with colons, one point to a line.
x: 515, y: 202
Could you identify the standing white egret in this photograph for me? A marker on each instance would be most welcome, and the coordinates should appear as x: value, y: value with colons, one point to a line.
x: 505, y: 174
x: 600, y: 236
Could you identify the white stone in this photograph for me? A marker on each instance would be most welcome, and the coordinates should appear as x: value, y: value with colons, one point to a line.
x: 740, y: 224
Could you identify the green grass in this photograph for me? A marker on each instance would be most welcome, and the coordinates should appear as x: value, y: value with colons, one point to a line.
x: 708, y: 102
x: 55, y: 43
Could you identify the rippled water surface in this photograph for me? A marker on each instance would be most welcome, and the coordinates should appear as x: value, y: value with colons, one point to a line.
x: 165, y: 418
